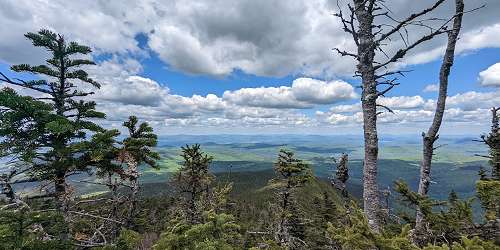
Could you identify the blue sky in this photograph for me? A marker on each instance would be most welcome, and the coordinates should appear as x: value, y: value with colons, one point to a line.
x: 235, y: 67
x: 463, y: 78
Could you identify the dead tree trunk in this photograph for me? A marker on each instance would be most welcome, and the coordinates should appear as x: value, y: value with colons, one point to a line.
x: 366, y: 55
x: 113, y: 185
x: 372, y: 27
x: 62, y: 201
x: 133, y: 177
x: 432, y: 134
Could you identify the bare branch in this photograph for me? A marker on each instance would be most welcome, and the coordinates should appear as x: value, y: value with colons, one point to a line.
x: 385, y: 107
x: 95, y: 216
x: 402, y: 52
x: 345, y: 53
x: 391, y: 84
x: 389, y: 73
x: 407, y: 20
x: 348, y: 25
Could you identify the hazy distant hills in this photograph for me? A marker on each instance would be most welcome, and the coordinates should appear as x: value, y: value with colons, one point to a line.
x: 455, y: 166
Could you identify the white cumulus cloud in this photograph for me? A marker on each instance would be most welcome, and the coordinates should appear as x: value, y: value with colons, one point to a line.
x: 490, y: 76
x: 431, y: 88
x: 304, y: 93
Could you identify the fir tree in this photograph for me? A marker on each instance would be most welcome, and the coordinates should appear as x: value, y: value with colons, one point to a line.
x: 22, y: 124
x: 489, y: 186
x: 60, y: 152
x: 330, y: 212
x: 136, y: 150
x: 193, y: 181
x: 453, y: 219
x: 117, y: 167
x: 355, y: 234
x: 292, y: 173
x: 203, y: 224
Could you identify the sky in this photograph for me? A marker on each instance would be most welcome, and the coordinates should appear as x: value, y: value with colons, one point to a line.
x: 257, y: 66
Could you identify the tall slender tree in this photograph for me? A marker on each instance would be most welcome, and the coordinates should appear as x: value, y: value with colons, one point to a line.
x: 117, y: 167
x: 60, y: 154
x: 492, y: 140
x: 431, y: 136
x: 488, y: 188
x: 371, y: 26
x: 136, y: 150
x: 292, y: 173
x: 193, y: 181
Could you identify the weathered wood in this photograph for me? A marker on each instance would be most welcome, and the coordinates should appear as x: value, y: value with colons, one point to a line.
x: 431, y: 136
x: 369, y: 37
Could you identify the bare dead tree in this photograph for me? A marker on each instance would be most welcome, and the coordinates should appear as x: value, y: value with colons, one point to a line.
x: 432, y: 136
x: 106, y: 218
x: 132, y: 175
x: 20, y: 204
x: 114, y: 211
x: 372, y: 26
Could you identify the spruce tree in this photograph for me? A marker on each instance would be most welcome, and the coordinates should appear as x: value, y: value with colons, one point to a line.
x: 202, y: 223
x: 217, y: 231
x: 137, y: 150
x: 488, y: 187
x: 492, y: 140
x: 63, y: 146
x: 193, y: 182
x: 448, y: 220
x: 292, y: 174
x: 117, y: 168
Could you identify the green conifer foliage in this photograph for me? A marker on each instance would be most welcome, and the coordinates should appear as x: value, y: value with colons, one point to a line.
x: 22, y: 228
x: 218, y: 232
x: 448, y: 224
x: 292, y: 173
x: 117, y: 168
x: 488, y: 187
x: 465, y: 243
x: 193, y: 182
x: 136, y: 150
x: 202, y: 223
x: 342, y: 175
x: 140, y: 142
x: 22, y: 125
x: 493, y: 142
x: 64, y: 135
x: 355, y: 234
